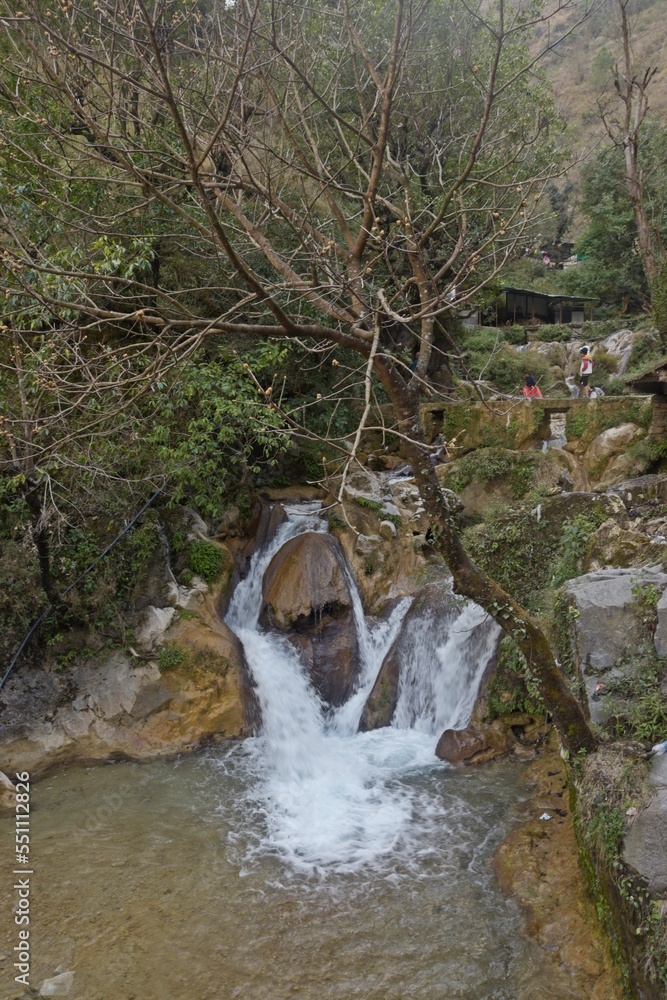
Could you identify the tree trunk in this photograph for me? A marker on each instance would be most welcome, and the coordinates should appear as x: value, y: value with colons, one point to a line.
x: 471, y: 581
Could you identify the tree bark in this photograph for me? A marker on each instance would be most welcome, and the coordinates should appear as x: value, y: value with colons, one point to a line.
x: 470, y: 581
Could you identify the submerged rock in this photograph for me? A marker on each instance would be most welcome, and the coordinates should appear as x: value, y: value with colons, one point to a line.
x: 58, y: 986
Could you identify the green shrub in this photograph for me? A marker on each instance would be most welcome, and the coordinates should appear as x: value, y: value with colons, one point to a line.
x: 487, y: 464
x: 574, y: 543
x: 374, y: 505
x: 645, y: 350
x: 605, y: 361
x: 513, y: 688
x: 205, y: 560
x: 170, y: 657
x: 554, y: 333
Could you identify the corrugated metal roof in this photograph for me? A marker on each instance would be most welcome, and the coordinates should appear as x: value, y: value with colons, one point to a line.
x: 551, y: 295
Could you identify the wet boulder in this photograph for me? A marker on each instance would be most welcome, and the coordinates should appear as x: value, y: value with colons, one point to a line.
x: 307, y: 595
x: 304, y: 579
x: 462, y: 747
x: 381, y: 703
x: 330, y: 652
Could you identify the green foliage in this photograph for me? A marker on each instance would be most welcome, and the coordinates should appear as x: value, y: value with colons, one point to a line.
x: 487, y: 464
x: 515, y: 552
x: 563, y: 616
x: 336, y: 520
x: 502, y: 367
x: 659, y: 302
x: 586, y: 421
x: 649, y: 452
x: 646, y: 351
x: 612, y: 269
x: 186, y: 615
x: 607, y: 828
x: 513, y: 688
x: 574, y: 544
x: 601, y: 69
x: 205, y: 560
x: 554, y: 333
x: 648, y: 717
x: 170, y: 657
x: 213, y: 432
x: 374, y: 505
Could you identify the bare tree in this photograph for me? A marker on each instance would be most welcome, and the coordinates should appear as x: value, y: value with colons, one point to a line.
x: 623, y: 119
x: 339, y: 173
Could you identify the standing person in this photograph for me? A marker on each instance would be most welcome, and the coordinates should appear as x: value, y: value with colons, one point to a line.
x: 585, y: 370
x: 531, y: 390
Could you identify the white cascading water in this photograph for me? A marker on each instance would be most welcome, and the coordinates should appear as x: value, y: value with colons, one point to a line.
x: 331, y: 798
x: 443, y: 657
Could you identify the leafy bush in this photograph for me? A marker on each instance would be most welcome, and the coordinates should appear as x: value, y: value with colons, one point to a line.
x: 645, y: 350
x: 554, y: 333
x: 205, y: 560
x: 170, y: 657
x: 487, y: 464
x: 513, y: 688
x: 574, y: 543
x: 605, y: 361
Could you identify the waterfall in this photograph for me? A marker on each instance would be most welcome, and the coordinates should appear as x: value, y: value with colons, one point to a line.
x: 328, y: 796
x: 557, y: 437
x: 444, y: 657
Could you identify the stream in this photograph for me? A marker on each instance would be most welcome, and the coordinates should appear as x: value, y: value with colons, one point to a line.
x: 311, y: 861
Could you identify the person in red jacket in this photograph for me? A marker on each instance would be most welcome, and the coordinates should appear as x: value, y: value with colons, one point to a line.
x: 531, y: 390
x: 586, y: 370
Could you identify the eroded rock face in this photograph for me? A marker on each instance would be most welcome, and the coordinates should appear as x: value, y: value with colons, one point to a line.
x: 330, y: 652
x: 304, y: 579
x: 645, y: 845
x: 612, y: 545
x: 606, y: 459
x: 125, y: 707
x: 519, y: 734
x: 605, y: 626
x: 643, y: 488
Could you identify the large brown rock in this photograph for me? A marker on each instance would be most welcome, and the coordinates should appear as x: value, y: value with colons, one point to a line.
x: 471, y: 745
x: 124, y: 707
x: 303, y: 580
x: 306, y: 594
x: 330, y: 652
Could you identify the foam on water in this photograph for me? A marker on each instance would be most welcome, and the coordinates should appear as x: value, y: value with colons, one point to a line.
x: 321, y: 796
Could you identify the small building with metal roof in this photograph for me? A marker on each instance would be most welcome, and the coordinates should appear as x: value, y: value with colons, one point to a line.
x: 522, y: 305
